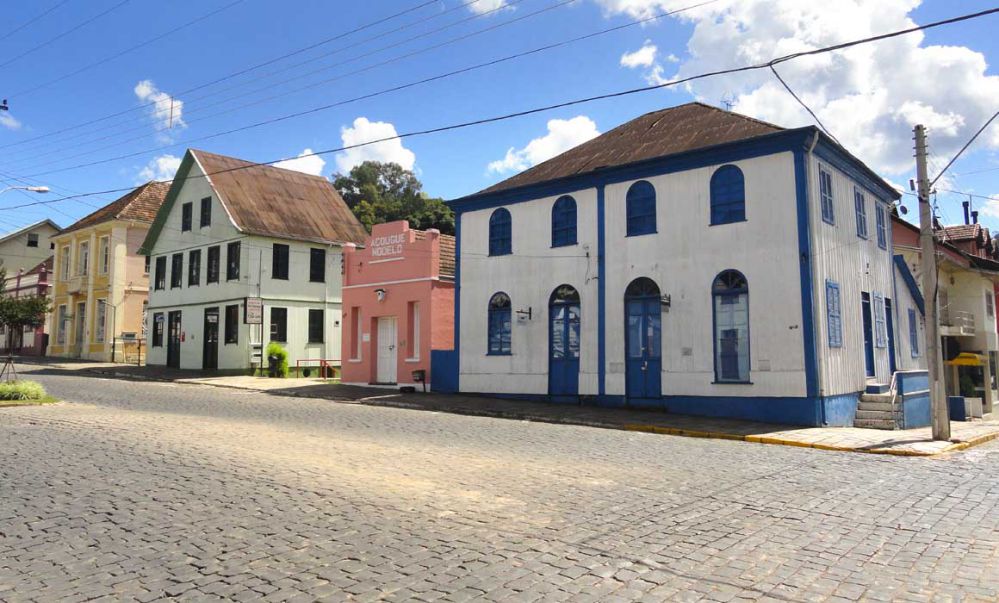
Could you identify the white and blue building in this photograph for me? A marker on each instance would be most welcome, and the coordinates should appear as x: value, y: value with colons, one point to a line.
x: 692, y: 260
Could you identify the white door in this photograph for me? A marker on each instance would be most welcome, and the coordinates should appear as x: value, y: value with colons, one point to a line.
x: 387, y: 350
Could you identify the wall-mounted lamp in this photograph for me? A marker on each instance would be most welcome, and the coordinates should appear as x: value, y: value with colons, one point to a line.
x: 381, y: 293
x: 665, y: 301
x: 524, y: 314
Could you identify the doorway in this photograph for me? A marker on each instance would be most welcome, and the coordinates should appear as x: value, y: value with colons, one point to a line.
x: 643, y: 344
x: 890, y: 325
x: 210, y: 352
x: 387, y: 351
x: 563, y: 344
x: 173, y: 339
x: 865, y: 307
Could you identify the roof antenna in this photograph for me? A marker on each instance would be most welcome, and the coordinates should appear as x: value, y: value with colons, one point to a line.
x: 728, y: 101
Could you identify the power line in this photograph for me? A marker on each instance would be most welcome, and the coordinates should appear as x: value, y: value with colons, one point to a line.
x: 64, y: 34
x: 312, y: 85
x: 341, y: 35
x: 128, y: 50
x: 802, y: 103
x: 32, y: 20
x: 570, y: 103
x: 966, y: 145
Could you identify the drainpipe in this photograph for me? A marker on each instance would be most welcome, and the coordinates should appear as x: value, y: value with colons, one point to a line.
x: 811, y: 245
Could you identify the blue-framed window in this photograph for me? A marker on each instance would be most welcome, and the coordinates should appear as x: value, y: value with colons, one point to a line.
x: 728, y: 195
x: 882, y: 224
x: 641, y: 208
x: 564, y: 222
x: 826, y: 196
x: 730, y: 301
x: 880, y: 326
x: 913, y: 333
x: 500, y: 325
x: 834, y: 316
x: 500, y: 232
x: 860, y: 206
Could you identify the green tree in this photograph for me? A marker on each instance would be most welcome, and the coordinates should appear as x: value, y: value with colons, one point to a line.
x: 19, y: 312
x: 383, y: 192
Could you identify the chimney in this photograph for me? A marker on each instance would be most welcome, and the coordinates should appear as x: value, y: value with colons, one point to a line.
x: 974, y: 217
x: 966, y: 220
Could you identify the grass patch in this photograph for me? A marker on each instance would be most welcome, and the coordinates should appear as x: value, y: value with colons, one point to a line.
x: 45, y: 400
x: 22, y: 391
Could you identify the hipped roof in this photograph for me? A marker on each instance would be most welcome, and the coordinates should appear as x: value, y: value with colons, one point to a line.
x: 139, y: 205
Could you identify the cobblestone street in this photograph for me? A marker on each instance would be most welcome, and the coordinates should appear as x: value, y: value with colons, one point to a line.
x: 143, y: 491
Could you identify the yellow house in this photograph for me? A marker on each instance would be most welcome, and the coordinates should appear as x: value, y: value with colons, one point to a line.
x: 101, y: 283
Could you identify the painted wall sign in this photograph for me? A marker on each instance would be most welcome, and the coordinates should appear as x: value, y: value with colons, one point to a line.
x: 388, y: 245
x: 253, y: 313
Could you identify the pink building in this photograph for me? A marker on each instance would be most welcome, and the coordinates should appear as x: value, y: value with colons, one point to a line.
x: 398, y: 304
x: 32, y: 341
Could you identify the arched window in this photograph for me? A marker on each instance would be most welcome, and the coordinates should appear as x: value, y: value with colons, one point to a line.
x: 730, y: 293
x: 728, y: 195
x: 499, y: 324
x: 564, y: 222
x: 641, y: 208
x: 500, y: 233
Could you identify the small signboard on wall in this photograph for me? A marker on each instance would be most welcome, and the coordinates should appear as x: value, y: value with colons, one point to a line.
x: 253, y: 311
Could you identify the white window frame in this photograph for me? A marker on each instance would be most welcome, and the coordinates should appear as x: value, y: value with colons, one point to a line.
x: 104, y: 257
x: 61, y: 326
x: 83, y: 259
x: 356, y: 329
x: 414, y: 328
x: 100, y: 320
x: 65, y: 259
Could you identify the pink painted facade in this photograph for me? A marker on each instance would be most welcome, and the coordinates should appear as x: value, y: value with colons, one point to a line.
x: 31, y: 341
x: 398, y: 304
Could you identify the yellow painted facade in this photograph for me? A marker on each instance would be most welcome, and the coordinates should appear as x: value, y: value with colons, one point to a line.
x: 100, y: 289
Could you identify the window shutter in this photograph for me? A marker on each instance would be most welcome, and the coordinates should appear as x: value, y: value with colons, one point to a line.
x: 833, y: 315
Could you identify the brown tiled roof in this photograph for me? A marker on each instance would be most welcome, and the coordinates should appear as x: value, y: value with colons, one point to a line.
x: 271, y: 201
x: 140, y: 205
x: 960, y: 232
x: 657, y: 134
x: 446, y: 250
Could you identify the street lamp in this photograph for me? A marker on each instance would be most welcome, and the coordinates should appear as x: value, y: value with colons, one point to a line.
x: 30, y: 189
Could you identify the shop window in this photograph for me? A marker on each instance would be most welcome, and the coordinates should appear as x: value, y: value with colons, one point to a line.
x: 158, y: 329
x: 500, y: 324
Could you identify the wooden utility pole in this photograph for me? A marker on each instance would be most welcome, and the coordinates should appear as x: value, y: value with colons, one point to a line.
x: 934, y: 358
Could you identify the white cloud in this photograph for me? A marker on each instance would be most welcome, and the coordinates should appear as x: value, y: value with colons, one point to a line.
x: 388, y: 151
x: 167, y: 112
x: 9, y: 121
x: 869, y: 96
x: 563, y: 134
x: 990, y: 206
x: 484, y: 6
x: 643, y: 57
x: 162, y: 167
x: 305, y: 162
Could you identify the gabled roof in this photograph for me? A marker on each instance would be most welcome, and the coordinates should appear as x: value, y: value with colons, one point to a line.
x: 447, y: 244
x: 28, y: 228
x: 657, y: 134
x: 960, y: 232
x: 139, y: 205
x: 268, y: 201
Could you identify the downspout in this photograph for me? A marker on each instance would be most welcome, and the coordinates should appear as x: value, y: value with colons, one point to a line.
x: 811, y: 246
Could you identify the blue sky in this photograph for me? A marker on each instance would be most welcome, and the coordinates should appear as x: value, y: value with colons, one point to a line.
x: 866, y: 98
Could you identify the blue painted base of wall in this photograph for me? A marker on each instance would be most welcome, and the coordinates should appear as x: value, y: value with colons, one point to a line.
x: 913, y: 388
x: 444, y: 371
x: 828, y: 411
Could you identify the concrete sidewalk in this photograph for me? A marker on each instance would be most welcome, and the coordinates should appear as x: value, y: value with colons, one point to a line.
x: 911, y: 442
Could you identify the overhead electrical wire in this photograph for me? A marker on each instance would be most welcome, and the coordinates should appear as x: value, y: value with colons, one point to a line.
x: 569, y: 103
x: 243, y: 71
x: 33, y: 20
x: 802, y: 103
x: 965, y: 147
x: 258, y: 101
x: 64, y: 34
x: 121, y: 53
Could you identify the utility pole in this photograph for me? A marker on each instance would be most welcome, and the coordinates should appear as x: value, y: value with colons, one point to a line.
x: 934, y: 358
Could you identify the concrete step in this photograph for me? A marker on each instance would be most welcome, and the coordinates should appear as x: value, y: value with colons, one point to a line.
x: 876, y: 414
x: 878, y: 398
x: 865, y: 405
x: 885, y: 424
x: 877, y: 388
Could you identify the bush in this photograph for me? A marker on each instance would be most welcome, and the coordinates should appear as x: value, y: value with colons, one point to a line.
x: 22, y: 390
x: 275, y: 349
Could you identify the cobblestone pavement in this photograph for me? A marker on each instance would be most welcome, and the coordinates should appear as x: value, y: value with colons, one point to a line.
x: 144, y: 491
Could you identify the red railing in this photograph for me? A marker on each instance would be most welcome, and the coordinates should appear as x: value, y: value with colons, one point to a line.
x: 328, y: 368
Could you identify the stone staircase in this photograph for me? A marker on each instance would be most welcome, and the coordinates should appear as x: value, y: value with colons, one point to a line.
x: 876, y: 408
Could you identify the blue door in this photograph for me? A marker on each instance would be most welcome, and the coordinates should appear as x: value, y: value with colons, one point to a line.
x: 890, y: 325
x: 643, y: 344
x: 563, y: 345
x: 865, y: 305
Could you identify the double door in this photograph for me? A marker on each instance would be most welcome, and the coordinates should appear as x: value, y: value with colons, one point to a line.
x: 173, y: 339
x: 643, y: 342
